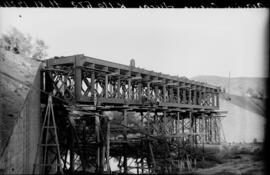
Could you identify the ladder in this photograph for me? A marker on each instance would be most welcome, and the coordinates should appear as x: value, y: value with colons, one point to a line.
x: 48, y: 143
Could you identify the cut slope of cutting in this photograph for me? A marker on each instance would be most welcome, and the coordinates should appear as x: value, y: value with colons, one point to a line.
x: 240, y: 124
x: 16, y: 76
x: 251, y: 104
x: 241, y: 86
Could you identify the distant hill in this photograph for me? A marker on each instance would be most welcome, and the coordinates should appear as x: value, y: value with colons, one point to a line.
x: 241, y: 86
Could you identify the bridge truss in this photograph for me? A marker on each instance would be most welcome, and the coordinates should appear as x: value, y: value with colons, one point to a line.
x: 142, y: 121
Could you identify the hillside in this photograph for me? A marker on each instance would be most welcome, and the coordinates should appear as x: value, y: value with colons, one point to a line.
x: 16, y: 76
x: 238, y: 86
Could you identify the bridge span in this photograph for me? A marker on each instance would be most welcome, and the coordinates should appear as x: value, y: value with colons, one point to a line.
x: 98, y: 116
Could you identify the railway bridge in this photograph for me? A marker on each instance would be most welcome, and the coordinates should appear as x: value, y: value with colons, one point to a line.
x: 102, y: 117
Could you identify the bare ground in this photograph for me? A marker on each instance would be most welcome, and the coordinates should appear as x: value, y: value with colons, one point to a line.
x: 237, y: 159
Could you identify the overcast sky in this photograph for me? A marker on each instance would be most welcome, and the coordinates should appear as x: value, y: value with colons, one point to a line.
x: 184, y: 42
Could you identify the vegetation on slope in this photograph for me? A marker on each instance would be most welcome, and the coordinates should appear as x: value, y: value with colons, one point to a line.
x: 21, y: 44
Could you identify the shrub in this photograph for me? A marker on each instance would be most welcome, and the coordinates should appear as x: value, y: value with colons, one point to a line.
x: 20, y: 43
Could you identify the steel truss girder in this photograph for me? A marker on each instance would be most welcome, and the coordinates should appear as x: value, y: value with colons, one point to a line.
x: 91, y: 79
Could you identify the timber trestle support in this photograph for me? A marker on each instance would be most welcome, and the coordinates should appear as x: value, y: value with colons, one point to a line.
x: 113, y: 118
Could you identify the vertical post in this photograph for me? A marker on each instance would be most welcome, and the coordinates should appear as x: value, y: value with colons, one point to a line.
x: 108, y: 146
x: 164, y: 93
x: 93, y: 84
x: 148, y: 90
x: 156, y: 92
x: 177, y: 123
x: 189, y: 95
x: 111, y: 89
x: 139, y: 90
x: 97, y: 124
x: 210, y: 129
x: 170, y: 96
x: 142, y: 165
x: 137, y: 164
x: 195, y: 129
x: 82, y: 158
x: 203, y: 123
x: 155, y: 123
x: 203, y: 97
x: 217, y: 100
x: 152, y: 156
x: 164, y: 122
x: 178, y: 95
x: 148, y: 124
x: 184, y: 96
x: 216, y: 126
x: 191, y: 122
x: 102, y: 163
x: 103, y: 146
x: 191, y: 127
x: 219, y: 130
x: 212, y: 99
x: 129, y: 89
x: 71, y: 158
x: 207, y: 129
x: 142, y: 168
x: 200, y: 97
x: 183, y: 124
x: 78, y: 79
x: 106, y: 86
x: 207, y: 97
x: 195, y: 97
x: 118, y: 87
x: 125, y: 144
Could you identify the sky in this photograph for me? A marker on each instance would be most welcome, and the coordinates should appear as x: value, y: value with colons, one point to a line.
x: 183, y: 42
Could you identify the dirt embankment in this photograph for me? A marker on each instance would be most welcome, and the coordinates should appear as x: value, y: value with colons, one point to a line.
x: 234, y: 159
x: 16, y: 76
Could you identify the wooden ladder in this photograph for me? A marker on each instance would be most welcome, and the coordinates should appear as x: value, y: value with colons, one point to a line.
x: 50, y: 142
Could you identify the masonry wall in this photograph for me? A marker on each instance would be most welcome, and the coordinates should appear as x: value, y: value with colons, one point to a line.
x: 19, y: 155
